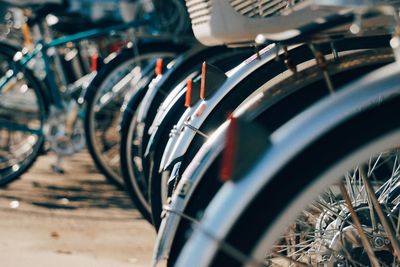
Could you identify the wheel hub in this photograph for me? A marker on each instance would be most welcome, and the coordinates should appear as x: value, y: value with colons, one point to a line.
x: 346, y: 248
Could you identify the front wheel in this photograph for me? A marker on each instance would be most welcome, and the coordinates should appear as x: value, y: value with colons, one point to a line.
x: 103, y: 102
x: 134, y: 185
x: 326, y: 198
x: 22, y: 115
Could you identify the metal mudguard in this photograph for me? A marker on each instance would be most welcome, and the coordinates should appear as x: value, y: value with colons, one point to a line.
x: 197, y: 117
x: 287, y: 142
x: 192, y: 176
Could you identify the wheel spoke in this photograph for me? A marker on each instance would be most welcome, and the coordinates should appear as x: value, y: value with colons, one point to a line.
x: 377, y: 206
x: 371, y: 255
x: 374, y: 223
x: 353, y: 223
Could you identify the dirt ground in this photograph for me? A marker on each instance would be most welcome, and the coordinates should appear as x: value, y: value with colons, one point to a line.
x: 75, y: 219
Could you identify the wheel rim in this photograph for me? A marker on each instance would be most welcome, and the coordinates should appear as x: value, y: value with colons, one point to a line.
x: 105, y: 115
x: 326, y: 233
x: 334, y: 230
x: 21, y: 122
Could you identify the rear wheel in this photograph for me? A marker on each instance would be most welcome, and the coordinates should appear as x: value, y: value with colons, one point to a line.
x: 271, y: 112
x: 134, y: 185
x: 326, y: 230
x: 335, y: 202
x: 158, y: 188
x: 104, y: 100
x: 22, y: 115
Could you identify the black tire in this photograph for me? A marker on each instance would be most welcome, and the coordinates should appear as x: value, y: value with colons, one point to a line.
x: 227, y: 61
x: 358, y: 143
x: 134, y: 174
x: 120, y: 66
x: 133, y: 185
x: 37, y: 114
x: 186, y: 65
x: 271, y: 115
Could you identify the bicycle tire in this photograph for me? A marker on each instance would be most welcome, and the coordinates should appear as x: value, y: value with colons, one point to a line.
x: 127, y: 125
x: 42, y: 100
x: 347, y: 117
x: 184, y: 66
x: 135, y: 181
x: 265, y: 112
x: 121, y: 66
x: 156, y: 185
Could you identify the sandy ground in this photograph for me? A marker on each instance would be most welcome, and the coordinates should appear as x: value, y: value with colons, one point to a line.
x: 76, y: 219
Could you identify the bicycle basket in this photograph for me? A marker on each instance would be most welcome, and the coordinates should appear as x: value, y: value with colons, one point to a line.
x: 216, y: 22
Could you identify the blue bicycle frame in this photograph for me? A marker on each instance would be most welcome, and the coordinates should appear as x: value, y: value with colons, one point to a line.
x: 50, y: 80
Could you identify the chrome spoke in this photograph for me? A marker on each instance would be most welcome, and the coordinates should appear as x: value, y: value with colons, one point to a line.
x: 377, y: 206
x: 344, y: 223
x: 370, y: 252
x: 369, y: 202
x: 370, y: 170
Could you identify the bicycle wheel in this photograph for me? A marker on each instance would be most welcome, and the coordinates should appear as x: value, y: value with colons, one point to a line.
x: 157, y: 188
x: 136, y: 184
x: 23, y: 110
x: 141, y: 112
x: 133, y: 184
x: 280, y: 102
x: 310, y: 201
x: 185, y: 66
x: 104, y: 99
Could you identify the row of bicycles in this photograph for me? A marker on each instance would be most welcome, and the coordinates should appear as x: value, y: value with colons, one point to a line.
x: 275, y: 143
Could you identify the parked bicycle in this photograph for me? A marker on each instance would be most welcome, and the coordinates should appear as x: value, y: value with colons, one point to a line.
x: 322, y: 189
x: 55, y: 115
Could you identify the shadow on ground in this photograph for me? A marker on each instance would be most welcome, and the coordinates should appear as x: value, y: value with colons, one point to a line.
x: 81, y: 187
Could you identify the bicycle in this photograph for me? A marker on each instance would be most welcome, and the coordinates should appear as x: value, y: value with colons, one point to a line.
x: 358, y: 180
x: 141, y: 112
x: 105, y: 96
x: 270, y: 106
x: 56, y: 116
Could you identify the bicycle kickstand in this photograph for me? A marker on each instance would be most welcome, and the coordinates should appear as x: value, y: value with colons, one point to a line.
x: 56, y: 168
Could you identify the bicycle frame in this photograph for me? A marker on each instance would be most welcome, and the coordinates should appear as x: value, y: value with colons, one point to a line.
x: 42, y: 49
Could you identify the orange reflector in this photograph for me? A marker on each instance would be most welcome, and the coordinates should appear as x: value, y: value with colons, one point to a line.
x: 188, y: 93
x: 95, y: 60
x: 159, y: 66
x: 203, y: 81
x: 228, y: 156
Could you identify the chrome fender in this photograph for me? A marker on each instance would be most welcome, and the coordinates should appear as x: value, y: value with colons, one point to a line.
x: 286, y: 142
